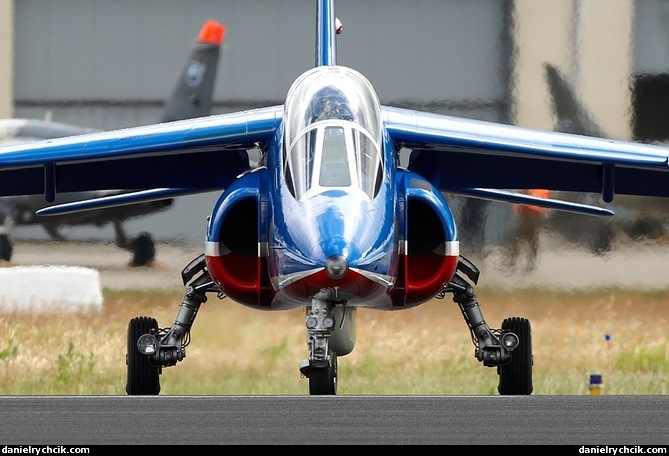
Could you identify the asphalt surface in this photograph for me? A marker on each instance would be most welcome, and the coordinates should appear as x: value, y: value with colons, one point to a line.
x: 581, y: 422
x: 628, y: 265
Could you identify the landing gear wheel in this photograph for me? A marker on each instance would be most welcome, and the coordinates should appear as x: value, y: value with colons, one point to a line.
x: 144, y: 250
x: 323, y: 380
x: 143, y: 378
x: 515, y: 378
x: 5, y: 247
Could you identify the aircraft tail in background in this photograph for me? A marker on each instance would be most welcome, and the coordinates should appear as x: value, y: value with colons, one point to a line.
x: 639, y: 218
x: 571, y: 115
x: 191, y: 97
x: 193, y: 93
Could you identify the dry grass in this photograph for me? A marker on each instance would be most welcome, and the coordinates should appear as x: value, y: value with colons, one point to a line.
x: 421, y: 351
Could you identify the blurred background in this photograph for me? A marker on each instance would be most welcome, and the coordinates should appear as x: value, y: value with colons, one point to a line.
x: 111, y: 65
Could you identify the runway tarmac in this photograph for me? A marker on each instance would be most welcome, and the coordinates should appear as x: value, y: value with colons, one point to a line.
x: 573, y: 421
x: 629, y: 265
x: 632, y: 264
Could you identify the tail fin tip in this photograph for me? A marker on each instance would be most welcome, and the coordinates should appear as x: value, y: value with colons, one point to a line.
x: 212, y: 32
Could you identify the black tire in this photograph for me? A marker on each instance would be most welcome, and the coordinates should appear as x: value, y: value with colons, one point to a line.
x: 144, y: 249
x: 323, y: 380
x: 515, y: 378
x: 6, y: 248
x: 143, y: 378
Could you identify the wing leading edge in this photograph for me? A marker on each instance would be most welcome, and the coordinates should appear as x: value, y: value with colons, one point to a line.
x: 456, y: 154
x: 453, y: 153
x: 204, y: 153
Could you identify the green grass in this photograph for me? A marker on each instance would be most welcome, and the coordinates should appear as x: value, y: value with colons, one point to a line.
x: 422, y: 351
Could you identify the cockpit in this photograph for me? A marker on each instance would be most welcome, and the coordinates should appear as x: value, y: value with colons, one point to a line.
x: 333, y: 134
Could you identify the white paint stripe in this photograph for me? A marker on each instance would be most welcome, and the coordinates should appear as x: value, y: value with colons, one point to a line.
x: 213, y: 249
x: 452, y: 248
x: 217, y: 249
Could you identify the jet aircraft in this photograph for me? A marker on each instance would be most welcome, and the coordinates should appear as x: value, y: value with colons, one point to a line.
x: 191, y: 97
x: 329, y: 219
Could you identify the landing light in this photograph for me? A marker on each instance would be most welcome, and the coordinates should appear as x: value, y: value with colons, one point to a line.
x: 147, y: 344
x: 510, y: 341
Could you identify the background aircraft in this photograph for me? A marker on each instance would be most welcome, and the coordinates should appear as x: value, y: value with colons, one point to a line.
x: 329, y: 220
x: 191, y: 97
x: 637, y: 218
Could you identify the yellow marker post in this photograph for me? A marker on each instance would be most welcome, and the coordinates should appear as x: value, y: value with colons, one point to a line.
x: 596, y: 385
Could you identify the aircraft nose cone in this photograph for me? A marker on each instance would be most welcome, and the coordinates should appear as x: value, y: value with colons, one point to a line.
x: 336, y: 267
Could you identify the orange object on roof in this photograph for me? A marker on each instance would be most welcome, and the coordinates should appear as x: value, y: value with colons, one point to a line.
x: 212, y: 32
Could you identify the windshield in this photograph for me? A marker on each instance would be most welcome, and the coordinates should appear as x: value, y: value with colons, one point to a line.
x: 333, y: 134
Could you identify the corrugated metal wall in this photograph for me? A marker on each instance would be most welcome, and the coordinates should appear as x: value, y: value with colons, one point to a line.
x: 76, y: 56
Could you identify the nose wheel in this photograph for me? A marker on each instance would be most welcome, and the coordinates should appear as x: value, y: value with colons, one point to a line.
x: 321, y: 366
x: 323, y: 380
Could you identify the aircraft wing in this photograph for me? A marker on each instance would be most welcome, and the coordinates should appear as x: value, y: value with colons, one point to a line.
x: 456, y: 153
x: 204, y: 153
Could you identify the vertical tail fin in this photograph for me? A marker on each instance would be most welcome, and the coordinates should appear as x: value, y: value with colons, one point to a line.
x: 193, y: 93
x: 571, y: 116
x: 326, y: 31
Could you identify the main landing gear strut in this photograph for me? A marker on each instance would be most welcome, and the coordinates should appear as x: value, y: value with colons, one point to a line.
x: 509, y: 349
x: 330, y: 333
x: 150, y: 348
